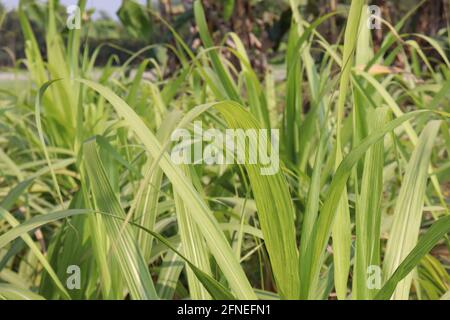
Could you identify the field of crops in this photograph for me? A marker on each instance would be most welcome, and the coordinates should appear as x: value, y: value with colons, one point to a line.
x: 110, y: 190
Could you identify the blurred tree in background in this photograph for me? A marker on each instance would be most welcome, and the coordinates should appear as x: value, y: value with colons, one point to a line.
x: 261, y: 24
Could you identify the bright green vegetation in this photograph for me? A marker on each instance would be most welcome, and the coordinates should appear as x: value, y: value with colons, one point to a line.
x: 86, y: 175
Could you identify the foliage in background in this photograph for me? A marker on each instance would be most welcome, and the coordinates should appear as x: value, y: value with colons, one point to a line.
x: 87, y: 179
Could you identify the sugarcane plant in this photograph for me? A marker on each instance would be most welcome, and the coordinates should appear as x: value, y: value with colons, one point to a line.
x: 93, y: 204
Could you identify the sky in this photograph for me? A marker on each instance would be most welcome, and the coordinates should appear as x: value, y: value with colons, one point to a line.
x: 109, y: 6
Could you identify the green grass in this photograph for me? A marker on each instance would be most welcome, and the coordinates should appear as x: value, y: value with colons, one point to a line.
x: 87, y: 179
